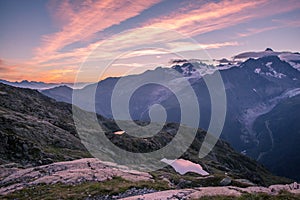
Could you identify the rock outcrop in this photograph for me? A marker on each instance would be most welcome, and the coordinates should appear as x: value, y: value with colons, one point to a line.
x: 196, y: 193
x: 70, y: 172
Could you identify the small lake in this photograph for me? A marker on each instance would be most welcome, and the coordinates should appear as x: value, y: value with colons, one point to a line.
x: 183, y: 166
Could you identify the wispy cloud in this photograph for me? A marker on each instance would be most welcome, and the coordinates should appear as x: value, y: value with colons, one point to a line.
x: 223, y: 14
x: 253, y: 31
x: 13, y: 72
x: 85, y: 18
x: 187, y: 46
x: 2, y: 68
x: 196, y: 20
x: 279, y: 24
x: 66, y: 73
x: 87, y: 22
x: 287, y: 23
x: 177, y: 47
x: 208, y: 17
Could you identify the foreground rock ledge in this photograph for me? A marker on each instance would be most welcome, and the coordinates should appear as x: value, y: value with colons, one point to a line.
x: 92, y: 169
x: 196, y: 193
x: 70, y: 172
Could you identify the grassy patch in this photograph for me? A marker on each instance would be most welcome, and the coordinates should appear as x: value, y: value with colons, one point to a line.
x: 83, y: 190
x: 60, y: 153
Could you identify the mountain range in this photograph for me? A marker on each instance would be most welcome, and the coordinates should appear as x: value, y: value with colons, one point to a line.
x: 37, y: 130
x: 256, y: 84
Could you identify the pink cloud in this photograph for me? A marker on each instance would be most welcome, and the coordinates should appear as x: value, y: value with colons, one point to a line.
x: 216, y: 16
x: 192, y: 21
x: 208, y: 17
x: 84, y: 19
x: 12, y: 72
x: 280, y: 24
x: 5, y: 67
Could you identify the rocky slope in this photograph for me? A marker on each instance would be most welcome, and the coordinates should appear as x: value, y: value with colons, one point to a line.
x: 35, y: 129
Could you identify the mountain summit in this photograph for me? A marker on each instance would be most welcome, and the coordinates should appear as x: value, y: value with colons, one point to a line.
x: 269, y: 49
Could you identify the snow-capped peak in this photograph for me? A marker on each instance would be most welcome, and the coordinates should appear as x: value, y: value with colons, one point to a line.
x: 195, y: 68
x: 292, y: 58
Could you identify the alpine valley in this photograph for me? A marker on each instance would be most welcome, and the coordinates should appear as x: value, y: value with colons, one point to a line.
x: 257, y: 85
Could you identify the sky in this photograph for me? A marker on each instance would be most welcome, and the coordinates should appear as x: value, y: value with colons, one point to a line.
x: 56, y: 40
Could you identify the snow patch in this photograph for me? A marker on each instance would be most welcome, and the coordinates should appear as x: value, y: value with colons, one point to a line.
x: 244, y: 152
x: 272, y: 72
x: 257, y: 70
x: 269, y: 64
x: 292, y: 93
x: 198, y: 69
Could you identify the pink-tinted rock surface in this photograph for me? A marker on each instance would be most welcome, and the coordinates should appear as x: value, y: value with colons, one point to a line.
x: 70, y: 172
